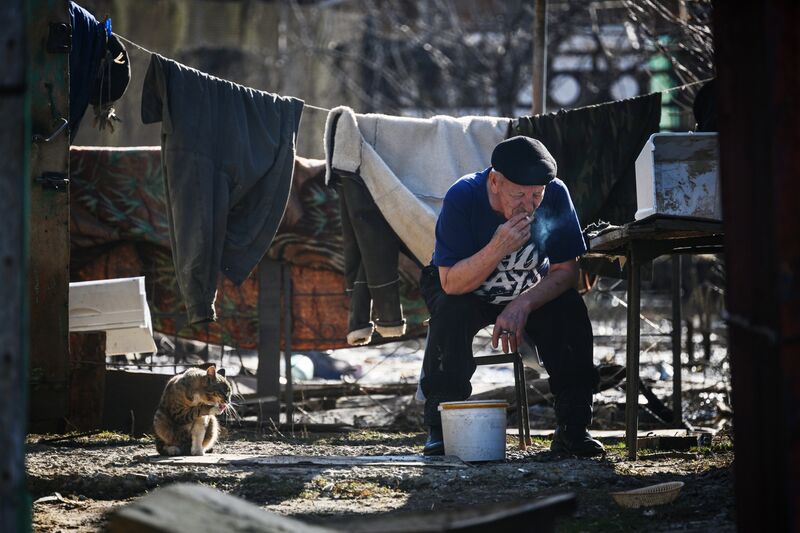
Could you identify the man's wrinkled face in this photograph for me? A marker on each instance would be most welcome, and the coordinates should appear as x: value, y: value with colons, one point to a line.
x: 512, y: 199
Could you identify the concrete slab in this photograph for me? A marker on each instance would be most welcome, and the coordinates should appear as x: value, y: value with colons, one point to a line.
x: 308, y: 460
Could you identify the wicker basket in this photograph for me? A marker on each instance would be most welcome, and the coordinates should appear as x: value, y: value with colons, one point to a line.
x: 649, y: 496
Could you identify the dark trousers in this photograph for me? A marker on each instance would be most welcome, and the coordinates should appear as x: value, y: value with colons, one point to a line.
x: 370, y: 257
x: 560, y: 329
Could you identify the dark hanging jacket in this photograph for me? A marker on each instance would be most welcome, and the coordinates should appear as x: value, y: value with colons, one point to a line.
x: 88, y: 45
x: 227, y: 155
x: 595, y: 148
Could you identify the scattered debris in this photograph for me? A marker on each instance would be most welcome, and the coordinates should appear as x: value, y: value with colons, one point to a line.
x: 55, y: 497
x: 662, y: 442
x: 659, y: 494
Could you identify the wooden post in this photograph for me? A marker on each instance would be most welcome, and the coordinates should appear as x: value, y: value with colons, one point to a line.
x: 757, y: 59
x: 539, y: 42
x: 48, y: 271
x: 287, y: 343
x: 632, y: 356
x: 15, y: 513
x: 677, y: 406
x: 87, y: 380
x: 269, y: 337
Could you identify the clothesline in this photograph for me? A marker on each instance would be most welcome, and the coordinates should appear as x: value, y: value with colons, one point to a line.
x: 143, y: 49
x: 325, y: 109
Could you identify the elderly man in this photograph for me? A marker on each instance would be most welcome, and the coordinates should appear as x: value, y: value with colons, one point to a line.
x: 507, y: 243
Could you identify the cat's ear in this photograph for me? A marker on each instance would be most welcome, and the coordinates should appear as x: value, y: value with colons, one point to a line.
x: 211, y: 371
x: 221, y: 372
x: 205, y: 366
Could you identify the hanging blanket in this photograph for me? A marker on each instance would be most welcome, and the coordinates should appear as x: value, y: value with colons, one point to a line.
x: 595, y: 148
x: 408, y: 164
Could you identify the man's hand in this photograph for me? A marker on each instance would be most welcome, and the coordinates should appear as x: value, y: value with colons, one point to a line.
x: 561, y: 277
x: 509, y: 327
x: 468, y: 274
x: 510, y: 236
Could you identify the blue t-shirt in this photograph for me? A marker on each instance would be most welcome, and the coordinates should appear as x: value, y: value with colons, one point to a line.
x: 467, y: 223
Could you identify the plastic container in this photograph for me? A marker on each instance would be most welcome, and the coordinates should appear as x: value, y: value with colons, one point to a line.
x: 475, y: 430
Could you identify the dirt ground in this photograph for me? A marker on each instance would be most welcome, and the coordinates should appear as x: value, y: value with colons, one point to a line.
x: 79, y: 481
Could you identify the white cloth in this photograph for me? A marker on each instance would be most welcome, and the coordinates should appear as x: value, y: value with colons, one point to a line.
x: 408, y: 164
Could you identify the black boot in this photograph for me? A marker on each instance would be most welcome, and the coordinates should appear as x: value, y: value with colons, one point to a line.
x: 574, y: 413
x: 359, y: 326
x: 575, y: 440
x: 435, y: 443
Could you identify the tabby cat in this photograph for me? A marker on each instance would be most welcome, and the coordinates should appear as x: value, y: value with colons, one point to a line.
x: 185, y: 421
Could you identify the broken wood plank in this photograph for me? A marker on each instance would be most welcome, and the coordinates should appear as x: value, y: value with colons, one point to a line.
x: 186, y: 508
x: 299, y: 427
x: 667, y: 443
x: 611, y: 435
x: 306, y: 460
x: 304, y: 391
x: 539, y: 389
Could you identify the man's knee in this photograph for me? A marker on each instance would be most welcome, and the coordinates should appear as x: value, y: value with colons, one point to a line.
x: 566, y: 312
x: 570, y: 301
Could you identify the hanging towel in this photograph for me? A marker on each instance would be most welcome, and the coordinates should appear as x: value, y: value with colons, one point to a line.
x: 227, y: 155
x: 595, y: 148
x: 392, y: 174
x: 409, y: 163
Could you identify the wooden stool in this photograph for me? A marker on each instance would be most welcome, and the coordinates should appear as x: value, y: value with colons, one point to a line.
x: 524, y: 423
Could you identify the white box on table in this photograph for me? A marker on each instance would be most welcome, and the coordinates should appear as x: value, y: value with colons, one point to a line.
x: 678, y: 174
x: 116, y: 306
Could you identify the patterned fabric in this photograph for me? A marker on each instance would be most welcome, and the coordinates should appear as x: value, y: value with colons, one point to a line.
x: 118, y: 228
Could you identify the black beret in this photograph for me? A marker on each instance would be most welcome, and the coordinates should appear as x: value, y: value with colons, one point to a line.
x: 113, y: 73
x: 524, y: 161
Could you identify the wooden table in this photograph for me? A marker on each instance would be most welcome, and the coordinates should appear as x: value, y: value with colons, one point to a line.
x: 643, y: 241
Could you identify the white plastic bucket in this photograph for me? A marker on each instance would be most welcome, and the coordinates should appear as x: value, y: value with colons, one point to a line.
x: 475, y: 430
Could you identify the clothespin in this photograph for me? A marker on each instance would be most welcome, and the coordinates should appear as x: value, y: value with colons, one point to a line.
x: 107, y: 25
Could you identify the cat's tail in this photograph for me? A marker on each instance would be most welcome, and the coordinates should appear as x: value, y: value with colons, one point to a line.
x: 212, y: 432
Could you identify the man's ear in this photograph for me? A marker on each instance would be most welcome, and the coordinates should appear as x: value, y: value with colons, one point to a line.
x: 494, y: 180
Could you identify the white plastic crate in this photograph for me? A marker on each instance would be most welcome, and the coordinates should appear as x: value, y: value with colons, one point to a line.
x: 678, y: 174
x: 116, y: 306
